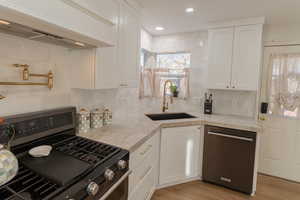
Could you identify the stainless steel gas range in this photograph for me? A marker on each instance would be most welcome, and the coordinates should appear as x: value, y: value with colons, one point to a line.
x: 76, y: 169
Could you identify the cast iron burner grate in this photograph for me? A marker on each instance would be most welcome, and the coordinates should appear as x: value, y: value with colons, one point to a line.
x: 28, y: 185
x: 86, y: 150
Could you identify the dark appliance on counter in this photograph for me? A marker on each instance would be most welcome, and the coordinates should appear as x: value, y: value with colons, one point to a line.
x: 264, y: 108
x: 208, y: 103
x: 76, y: 169
x: 229, y: 158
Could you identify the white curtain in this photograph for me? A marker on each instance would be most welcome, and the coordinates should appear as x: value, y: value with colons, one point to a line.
x: 284, y: 84
x: 152, y: 81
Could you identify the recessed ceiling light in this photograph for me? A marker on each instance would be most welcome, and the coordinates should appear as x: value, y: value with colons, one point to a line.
x: 79, y: 44
x: 189, y: 10
x: 4, y: 22
x: 159, y: 28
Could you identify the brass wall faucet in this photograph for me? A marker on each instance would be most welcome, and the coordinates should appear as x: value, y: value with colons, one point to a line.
x: 2, y: 97
x: 27, y: 75
x: 165, y: 105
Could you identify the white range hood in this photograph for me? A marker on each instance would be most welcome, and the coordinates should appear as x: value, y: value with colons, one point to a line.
x: 54, y: 22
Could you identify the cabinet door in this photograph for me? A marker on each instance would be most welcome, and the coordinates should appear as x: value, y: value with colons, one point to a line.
x: 106, y: 68
x: 179, y: 156
x: 129, y: 46
x: 107, y: 74
x: 220, y: 58
x: 82, y: 69
x: 246, y: 57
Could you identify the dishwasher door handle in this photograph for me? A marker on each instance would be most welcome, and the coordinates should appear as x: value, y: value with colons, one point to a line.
x: 231, y: 136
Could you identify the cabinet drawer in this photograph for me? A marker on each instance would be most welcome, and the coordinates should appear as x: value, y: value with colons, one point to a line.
x: 142, y: 152
x: 140, y: 172
x: 145, y: 187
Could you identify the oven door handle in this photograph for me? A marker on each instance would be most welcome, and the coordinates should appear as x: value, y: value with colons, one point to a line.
x: 111, y: 190
x: 231, y: 136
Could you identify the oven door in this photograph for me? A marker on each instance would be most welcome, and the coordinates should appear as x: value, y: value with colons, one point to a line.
x: 119, y: 191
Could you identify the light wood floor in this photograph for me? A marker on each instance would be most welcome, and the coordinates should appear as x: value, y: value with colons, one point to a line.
x: 268, y: 188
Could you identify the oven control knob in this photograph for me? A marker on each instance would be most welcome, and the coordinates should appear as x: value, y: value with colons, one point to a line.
x: 122, y: 164
x: 109, y: 174
x: 92, y: 188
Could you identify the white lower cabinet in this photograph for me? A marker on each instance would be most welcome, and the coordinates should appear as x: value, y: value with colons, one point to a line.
x: 144, y: 166
x: 171, y: 156
x: 179, y: 155
x: 146, y: 187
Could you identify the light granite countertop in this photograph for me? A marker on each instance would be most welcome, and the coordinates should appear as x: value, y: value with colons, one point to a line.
x: 131, y: 128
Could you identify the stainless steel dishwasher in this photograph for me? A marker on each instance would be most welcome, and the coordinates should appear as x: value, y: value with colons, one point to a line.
x: 229, y: 158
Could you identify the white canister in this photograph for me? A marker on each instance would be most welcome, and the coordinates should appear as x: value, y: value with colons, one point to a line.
x: 107, y: 117
x: 96, y: 118
x: 83, y: 121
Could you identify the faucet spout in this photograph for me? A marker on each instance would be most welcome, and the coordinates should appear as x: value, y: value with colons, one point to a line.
x: 165, y: 105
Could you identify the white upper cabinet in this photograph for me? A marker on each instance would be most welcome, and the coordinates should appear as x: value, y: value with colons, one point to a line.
x: 111, y: 67
x: 220, y: 57
x: 234, y: 57
x: 246, y: 57
x: 106, y: 68
x: 94, y: 69
x: 129, y: 46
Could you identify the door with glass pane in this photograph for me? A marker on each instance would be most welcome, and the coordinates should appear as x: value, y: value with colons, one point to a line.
x: 280, y: 140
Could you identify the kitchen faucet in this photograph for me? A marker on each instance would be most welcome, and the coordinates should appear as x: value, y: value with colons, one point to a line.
x: 165, y: 105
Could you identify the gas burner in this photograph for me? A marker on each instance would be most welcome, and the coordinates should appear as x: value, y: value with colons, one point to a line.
x: 24, y: 195
x: 86, y: 150
x: 28, y: 185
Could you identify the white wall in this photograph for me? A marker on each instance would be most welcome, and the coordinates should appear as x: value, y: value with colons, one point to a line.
x: 282, y: 33
x: 42, y: 57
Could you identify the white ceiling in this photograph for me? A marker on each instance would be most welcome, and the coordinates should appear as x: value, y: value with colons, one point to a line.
x: 171, y: 13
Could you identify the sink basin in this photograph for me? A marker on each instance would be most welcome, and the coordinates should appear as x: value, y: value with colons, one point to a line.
x: 169, y: 116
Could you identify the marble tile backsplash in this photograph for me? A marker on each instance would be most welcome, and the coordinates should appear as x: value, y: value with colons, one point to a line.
x: 240, y: 103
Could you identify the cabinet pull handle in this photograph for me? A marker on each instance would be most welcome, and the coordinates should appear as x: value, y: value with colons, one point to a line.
x: 145, y: 174
x: 231, y: 136
x: 228, y: 180
x: 146, y: 150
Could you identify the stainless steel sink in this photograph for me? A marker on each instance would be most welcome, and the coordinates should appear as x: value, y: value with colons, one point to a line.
x: 169, y: 116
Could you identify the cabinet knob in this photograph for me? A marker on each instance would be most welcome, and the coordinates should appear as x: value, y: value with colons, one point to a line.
x: 227, y: 86
x: 233, y: 86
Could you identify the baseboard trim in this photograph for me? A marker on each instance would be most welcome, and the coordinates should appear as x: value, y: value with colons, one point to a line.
x: 284, y: 179
x: 179, y: 182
